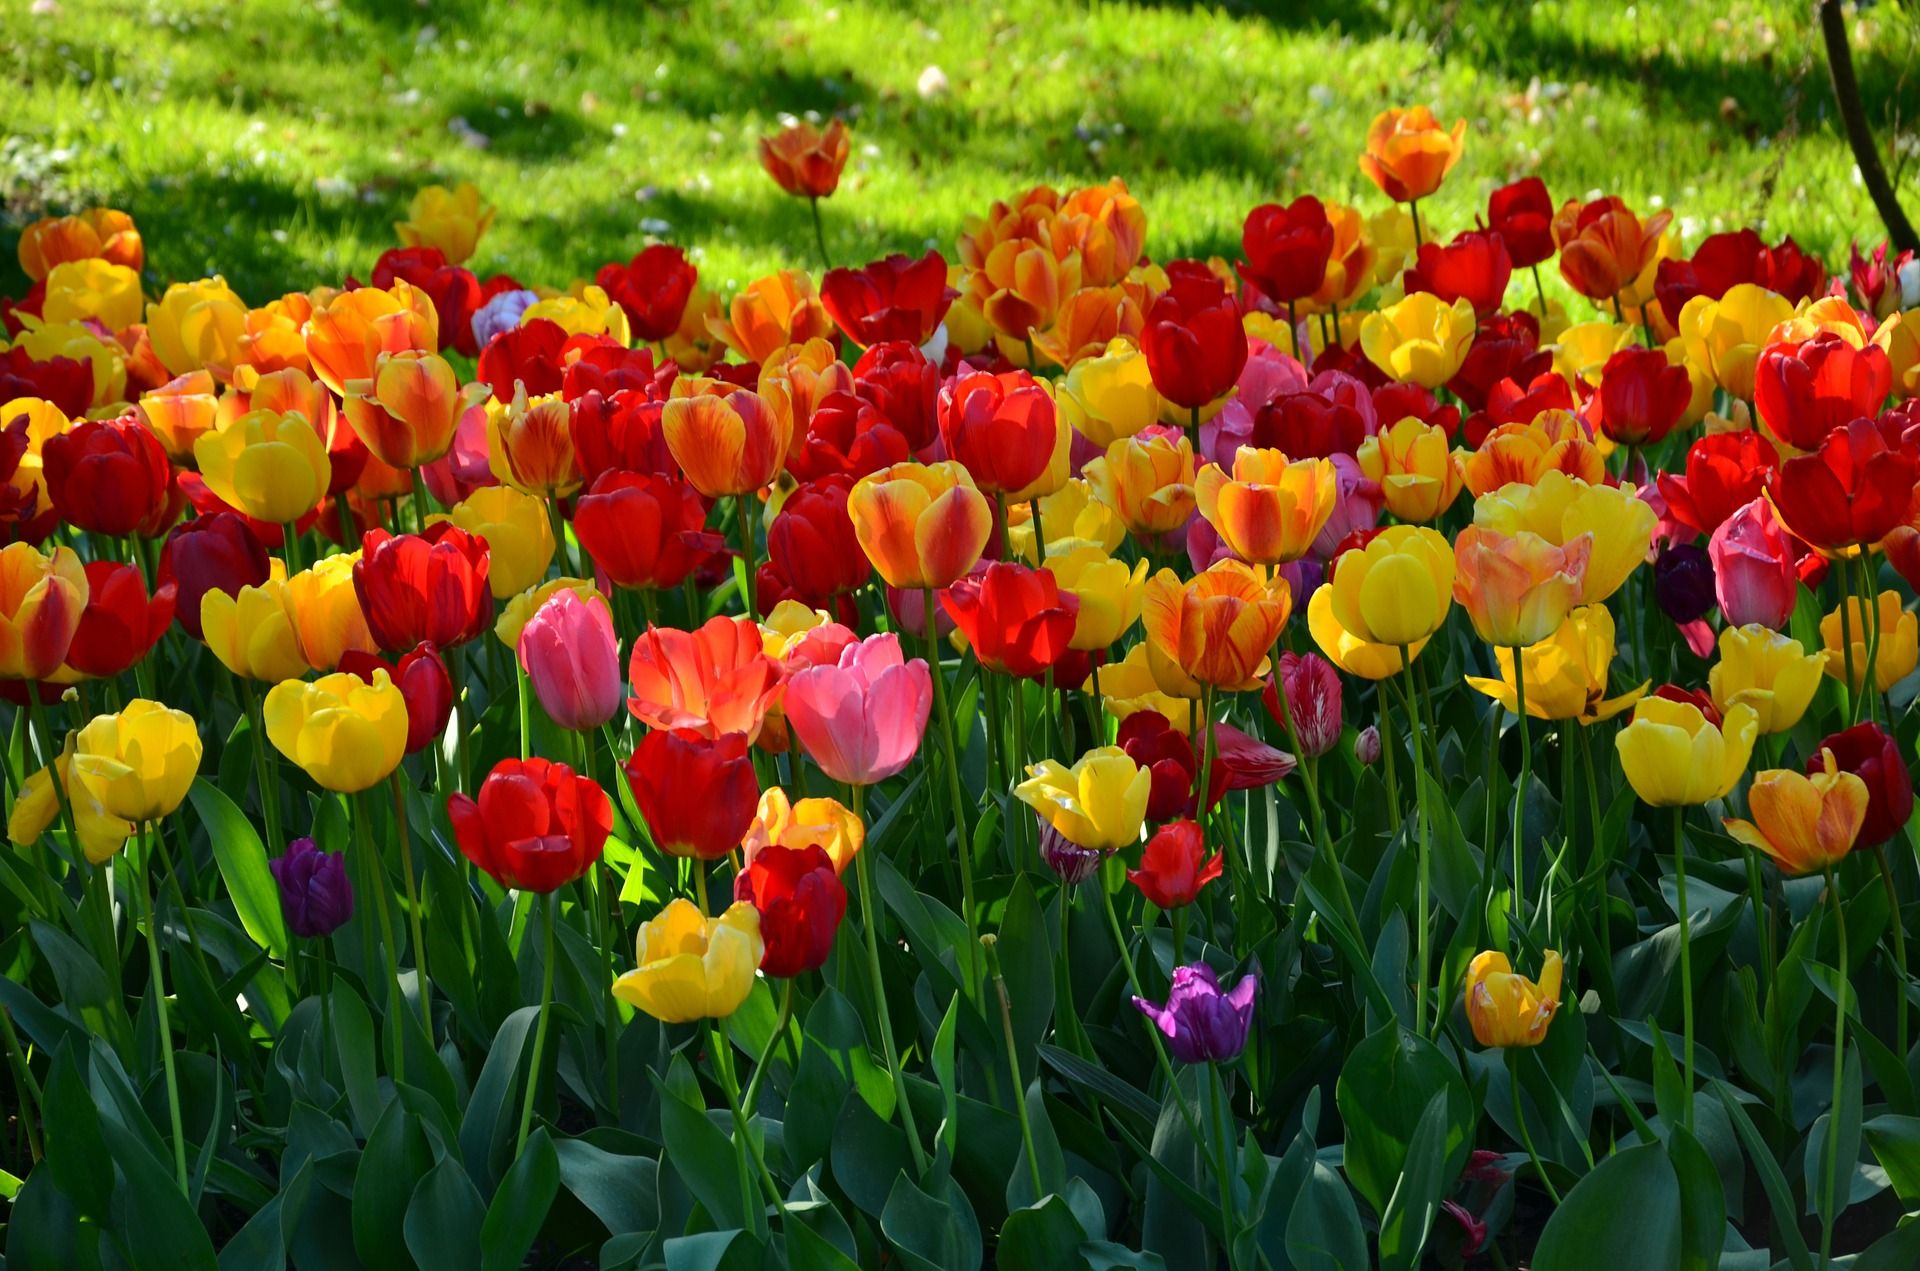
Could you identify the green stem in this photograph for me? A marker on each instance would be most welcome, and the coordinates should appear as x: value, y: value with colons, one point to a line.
x: 377, y: 880
x: 1846, y: 647
x: 1830, y: 1149
x: 419, y: 503
x: 1413, y: 209
x: 990, y: 942
x: 1540, y: 290
x: 263, y: 768
x: 413, y: 904
x: 1520, y: 1122
x: 1216, y: 1083
x: 290, y: 548
x: 1899, y: 949
x: 956, y: 802
x: 50, y: 754
x: 560, y: 555
x: 870, y: 919
x: 143, y: 897
x: 526, y: 708
x: 743, y: 514
x: 766, y: 1052
x: 540, y: 1030
x: 723, y: 1067
x: 1520, y: 791
x: 1686, y: 952
x: 820, y: 234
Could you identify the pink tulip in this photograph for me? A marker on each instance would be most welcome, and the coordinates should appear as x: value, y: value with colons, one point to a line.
x: 1357, y: 504
x: 571, y: 655
x: 861, y: 719
x: 1753, y: 568
x: 1312, y: 687
x: 464, y: 468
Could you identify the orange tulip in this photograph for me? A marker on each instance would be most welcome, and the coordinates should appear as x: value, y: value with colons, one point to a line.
x: 1523, y: 453
x: 732, y: 441
x: 1350, y: 267
x: 1805, y: 824
x: 714, y: 681
x: 346, y: 336
x: 804, y: 161
x: 1217, y: 628
x: 922, y: 525
x: 407, y: 413
x: 1409, y: 154
x: 1022, y: 286
x: 102, y: 233
x: 273, y: 339
x: 1107, y: 227
x: 1604, y: 246
x: 771, y: 313
x: 530, y: 445
x: 1089, y: 320
x: 1148, y: 480
x: 179, y: 412
x: 1271, y: 509
x: 1517, y: 588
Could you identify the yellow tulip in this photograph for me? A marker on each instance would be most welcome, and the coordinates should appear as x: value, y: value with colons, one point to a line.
x: 1355, y: 656
x: 1418, y: 476
x: 101, y: 833
x: 1507, y: 1009
x: 530, y: 445
x: 1804, y: 823
x: 1071, y: 518
x: 1111, y: 396
x: 95, y: 289
x: 1768, y: 671
x: 44, y: 341
x: 42, y: 596
x: 1108, y: 590
x: 1566, y: 672
x: 1583, y: 349
x: 589, y: 312
x: 343, y: 732
x: 1724, y: 337
x: 1271, y: 509
x: 197, y: 325
x: 690, y: 967
x: 1098, y: 803
x: 1899, y: 649
x: 326, y: 612
x: 1420, y: 340
x: 1148, y: 481
x: 1674, y: 756
x: 1396, y: 590
x: 1561, y: 509
x: 1129, y: 686
x: 180, y: 412
x: 923, y: 525
x: 140, y: 762
x: 519, y: 536
x: 1899, y: 338
x: 271, y: 466
x: 452, y: 220
x: 825, y: 823
x: 253, y: 632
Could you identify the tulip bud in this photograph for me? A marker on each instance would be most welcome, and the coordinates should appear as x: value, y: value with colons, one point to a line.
x: 1312, y: 706
x: 1683, y: 582
x: 1366, y: 746
x: 1069, y: 862
x: 315, y: 893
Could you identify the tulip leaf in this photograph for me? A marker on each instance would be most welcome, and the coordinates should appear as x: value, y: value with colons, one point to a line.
x: 444, y: 1218
x: 1042, y: 1237
x: 734, y: 1250
x: 243, y: 866
x: 398, y: 1156
x: 1323, y: 1232
x: 835, y: 1027
x: 1383, y: 1091
x: 932, y: 1232
x: 623, y: 1192
x: 1703, y: 1206
x: 489, y: 1119
x: 1591, y: 1228
x: 1823, y: 1137
x: 520, y: 1204
x: 1416, y: 1197
x: 698, y: 1151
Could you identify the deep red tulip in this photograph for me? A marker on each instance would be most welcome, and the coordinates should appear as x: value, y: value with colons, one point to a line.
x: 1194, y: 343
x: 1287, y: 248
x: 813, y: 543
x: 120, y: 622
x: 1174, y: 866
x: 528, y: 354
x: 1240, y: 762
x: 1017, y: 619
x: 422, y: 678
x: 898, y: 298
x: 1313, y: 704
x: 1001, y: 428
x: 644, y: 530
x: 21, y: 519
x: 653, y: 288
x: 1871, y: 276
x: 1311, y: 425
x: 196, y: 493
x: 1805, y: 391
x: 801, y: 901
x: 1506, y: 346
x: 620, y: 432
x: 1522, y: 214
x: 904, y: 387
x: 697, y: 796
x: 1854, y: 489
x: 847, y: 437
x: 1641, y: 397
x: 429, y: 587
x: 1474, y: 265
x: 1869, y: 753
x: 1724, y: 472
x: 1723, y: 261
x: 771, y: 586
x: 1511, y: 402
x: 600, y: 364
x: 536, y: 826
x: 1167, y: 755
x: 214, y: 552
x: 454, y: 290
x: 1395, y: 402
x: 65, y: 381
x: 109, y: 477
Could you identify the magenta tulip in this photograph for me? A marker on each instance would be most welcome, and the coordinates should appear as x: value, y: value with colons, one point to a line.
x: 570, y: 653
x: 861, y: 719
x: 1753, y: 568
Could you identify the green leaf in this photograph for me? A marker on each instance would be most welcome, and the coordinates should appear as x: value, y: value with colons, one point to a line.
x: 77, y: 1160
x: 1026, y: 958
x: 1703, y: 1205
x: 1591, y: 1228
x: 867, y: 1154
x: 623, y: 1192
x: 944, y: 1071
x: 1323, y: 1232
x: 520, y: 1204
x: 1416, y: 1198
x: 444, y: 1218
x: 1822, y: 1138
x: 490, y: 1117
x: 931, y: 1233
x: 398, y: 1156
x: 352, y: 1030
x: 1895, y: 1142
x: 1383, y: 1091
x: 1899, y: 1251
x: 1100, y: 1082
x: 808, y: 1250
x: 243, y: 866
x: 836, y: 1026
x: 1786, y: 1218
x: 700, y: 1153
x: 1041, y: 1237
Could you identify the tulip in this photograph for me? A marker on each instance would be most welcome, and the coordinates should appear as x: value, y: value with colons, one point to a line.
x: 1312, y: 703
x: 1673, y: 756
x: 1394, y: 591
x: 346, y: 336
x: 1418, y: 478
x: 517, y: 535
x: 823, y: 823
x: 800, y: 899
x: 1724, y: 471
x: 1287, y: 248
x: 1107, y: 592
x: 346, y: 734
x: 1129, y: 687
x: 1560, y: 510
x: 536, y: 826
x: 1642, y: 397
x: 1409, y: 154
x: 207, y: 554
x: 430, y: 586
x: 813, y: 542
x: 1871, y: 753
x: 450, y: 220
x: 697, y: 794
x: 517, y: 356
x: 140, y: 762
x: 1214, y: 629
x: 1753, y: 567
x: 1767, y: 671
x: 514, y: 615
x: 713, y: 681
x: 1110, y: 395
x: 922, y: 525
x: 1521, y: 213
x: 1270, y: 510
x: 730, y: 442
x: 1420, y: 340
x: 456, y: 294
x: 1003, y: 429
x: 690, y: 967
x: 1202, y: 1024
x: 653, y: 288
x: 1725, y: 336
x: 1603, y: 246
x: 530, y: 446
x: 42, y: 600
x: 1518, y: 588
x: 1013, y: 617
x: 101, y: 833
x: 1475, y: 267
x: 1507, y: 1009
x: 271, y: 466
x: 316, y: 898
x: 572, y: 657
x: 770, y: 314
x: 1851, y: 491
x: 1804, y: 391
x: 803, y: 160
x: 325, y: 609
x: 1167, y: 755
x: 1174, y: 866
x: 1683, y: 582
x: 1193, y: 340
x: 1148, y: 480
x: 897, y: 298
x: 1846, y: 642
x: 1806, y: 824
x: 408, y: 413
x: 120, y: 622
x: 1366, y: 746
x: 178, y: 413
x: 424, y: 684
x: 109, y: 477
x: 1520, y: 454
x: 1566, y: 674
x: 1098, y: 803
x: 643, y: 530
x: 102, y: 233
x: 862, y: 718
x: 197, y: 325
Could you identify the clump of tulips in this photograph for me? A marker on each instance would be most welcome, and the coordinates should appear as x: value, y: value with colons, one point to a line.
x: 1347, y: 755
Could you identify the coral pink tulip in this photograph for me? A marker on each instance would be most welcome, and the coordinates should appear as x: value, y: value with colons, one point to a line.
x: 861, y: 720
x: 711, y: 681
x: 1753, y: 568
x: 570, y: 653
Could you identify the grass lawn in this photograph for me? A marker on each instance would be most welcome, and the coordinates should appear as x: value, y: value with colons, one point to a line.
x: 277, y: 142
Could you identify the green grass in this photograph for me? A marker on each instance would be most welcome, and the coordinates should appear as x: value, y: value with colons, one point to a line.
x: 277, y: 142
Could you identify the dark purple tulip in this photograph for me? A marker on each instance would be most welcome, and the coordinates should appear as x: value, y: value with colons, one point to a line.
x: 1869, y: 753
x: 314, y: 892
x: 1683, y: 582
x: 1070, y: 862
x: 1200, y: 1022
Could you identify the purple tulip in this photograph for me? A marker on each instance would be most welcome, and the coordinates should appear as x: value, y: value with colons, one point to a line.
x: 1683, y: 582
x: 314, y: 892
x: 1200, y: 1022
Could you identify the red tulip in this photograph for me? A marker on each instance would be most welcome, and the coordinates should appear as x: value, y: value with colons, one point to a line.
x: 1174, y: 866
x: 1394, y: 402
x: 696, y: 795
x: 1475, y: 265
x: 1194, y: 343
x: 1641, y: 397
x: 422, y: 678
x: 1725, y: 471
x: 898, y: 298
x: 536, y: 825
x: 1522, y: 214
x: 528, y: 354
x: 904, y: 387
x: 800, y: 900
x: 600, y: 364
x: 847, y: 437
x: 210, y: 553
x: 1312, y: 425
x: 1313, y: 704
x: 1506, y: 346
x: 1869, y: 753
x: 813, y: 543
x: 428, y: 587
x: 1724, y: 260
x: 1001, y: 428
x: 620, y: 432
x: 1287, y: 248
x: 1240, y: 762
x: 454, y: 290
x: 644, y: 530
x: 1853, y: 490
x: 1805, y: 391
x: 1510, y: 402
x: 65, y: 381
x: 1753, y: 567
x: 120, y: 622
x: 653, y: 288
x: 1016, y: 619
x: 109, y: 477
